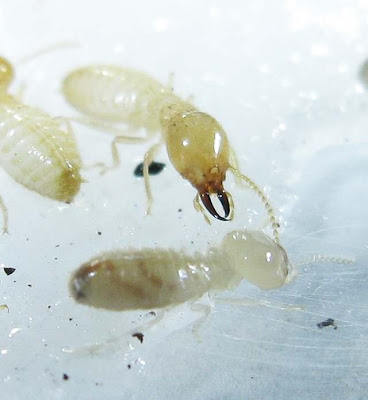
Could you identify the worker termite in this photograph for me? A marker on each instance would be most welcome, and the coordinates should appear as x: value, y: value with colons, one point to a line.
x: 196, y: 143
x: 34, y: 148
x: 148, y: 279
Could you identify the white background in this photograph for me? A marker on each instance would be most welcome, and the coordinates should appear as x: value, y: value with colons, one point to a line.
x: 282, y: 78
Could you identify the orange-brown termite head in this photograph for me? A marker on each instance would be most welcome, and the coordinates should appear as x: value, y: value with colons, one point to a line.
x: 198, y: 147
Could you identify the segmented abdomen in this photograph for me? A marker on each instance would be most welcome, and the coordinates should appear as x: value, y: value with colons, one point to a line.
x: 142, y: 279
x: 36, y: 152
x: 116, y: 94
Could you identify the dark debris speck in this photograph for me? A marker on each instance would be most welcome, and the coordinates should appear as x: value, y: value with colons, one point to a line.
x: 99, y: 233
x: 9, y: 270
x: 154, y: 169
x: 328, y: 322
x: 29, y: 285
x: 65, y: 377
x: 139, y: 336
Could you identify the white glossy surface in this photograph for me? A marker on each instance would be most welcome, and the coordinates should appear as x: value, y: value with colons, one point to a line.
x: 282, y: 79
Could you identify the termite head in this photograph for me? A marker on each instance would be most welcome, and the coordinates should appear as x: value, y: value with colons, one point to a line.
x: 257, y: 258
x: 198, y: 147
x: 6, y: 73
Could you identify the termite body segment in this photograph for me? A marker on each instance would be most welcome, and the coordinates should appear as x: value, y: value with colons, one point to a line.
x: 35, y: 149
x: 148, y: 279
x: 196, y: 143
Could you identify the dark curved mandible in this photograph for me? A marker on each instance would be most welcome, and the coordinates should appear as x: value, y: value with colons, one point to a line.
x: 207, y: 202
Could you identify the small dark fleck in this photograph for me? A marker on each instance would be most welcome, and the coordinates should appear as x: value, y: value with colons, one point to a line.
x: 29, y: 285
x: 328, y: 322
x: 9, y: 270
x: 191, y: 241
x: 180, y: 210
x: 49, y: 307
x: 129, y: 366
x: 154, y: 168
x: 27, y: 239
x: 99, y: 233
x: 152, y: 313
x: 55, y: 258
x: 139, y: 336
x: 58, y: 245
x: 65, y: 377
x: 67, y: 202
x: 70, y: 319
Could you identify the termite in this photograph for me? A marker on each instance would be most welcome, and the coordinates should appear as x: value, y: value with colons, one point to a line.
x: 157, y: 278
x: 196, y: 143
x: 34, y: 148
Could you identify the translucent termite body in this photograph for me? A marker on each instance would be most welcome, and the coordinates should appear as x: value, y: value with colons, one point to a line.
x: 34, y: 148
x: 196, y: 143
x: 147, y: 278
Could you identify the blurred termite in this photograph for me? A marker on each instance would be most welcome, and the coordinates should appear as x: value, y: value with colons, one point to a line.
x: 196, y: 143
x: 157, y: 278
x: 36, y: 150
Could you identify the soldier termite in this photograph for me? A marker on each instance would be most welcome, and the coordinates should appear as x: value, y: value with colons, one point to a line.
x: 149, y: 279
x: 35, y: 150
x: 196, y: 143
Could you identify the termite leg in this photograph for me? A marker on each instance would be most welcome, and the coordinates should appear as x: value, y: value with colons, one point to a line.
x: 148, y: 158
x: 258, y: 302
x: 198, y: 207
x: 98, y: 347
x: 4, y: 211
x: 170, y: 82
x: 205, y: 311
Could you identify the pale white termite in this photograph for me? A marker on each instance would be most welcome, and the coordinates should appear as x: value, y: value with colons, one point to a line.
x: 35, y: 150
x: 196, y: 143
x: 148, y: 278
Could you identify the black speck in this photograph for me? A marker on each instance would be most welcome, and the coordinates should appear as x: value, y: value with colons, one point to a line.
x: 328, y: 322
x: 99, y: 233
x: 65, y: 377
x: 152, y: 313
x: 139, y: 336
x: 70, y: 319
x: 55, y: 258
x: 9, y: 270
x: 129, y: 366
x: 29, y: 285
x: 154, y: 168
x: 180, y: 210
x: 49, y: 307
x: 192, y: 242
x: 58, y: 245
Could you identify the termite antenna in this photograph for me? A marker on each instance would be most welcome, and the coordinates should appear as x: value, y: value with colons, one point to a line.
x: 270, y: 211
x: 4, y: 211
x: 48, y: 49
x: 314, y: 258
